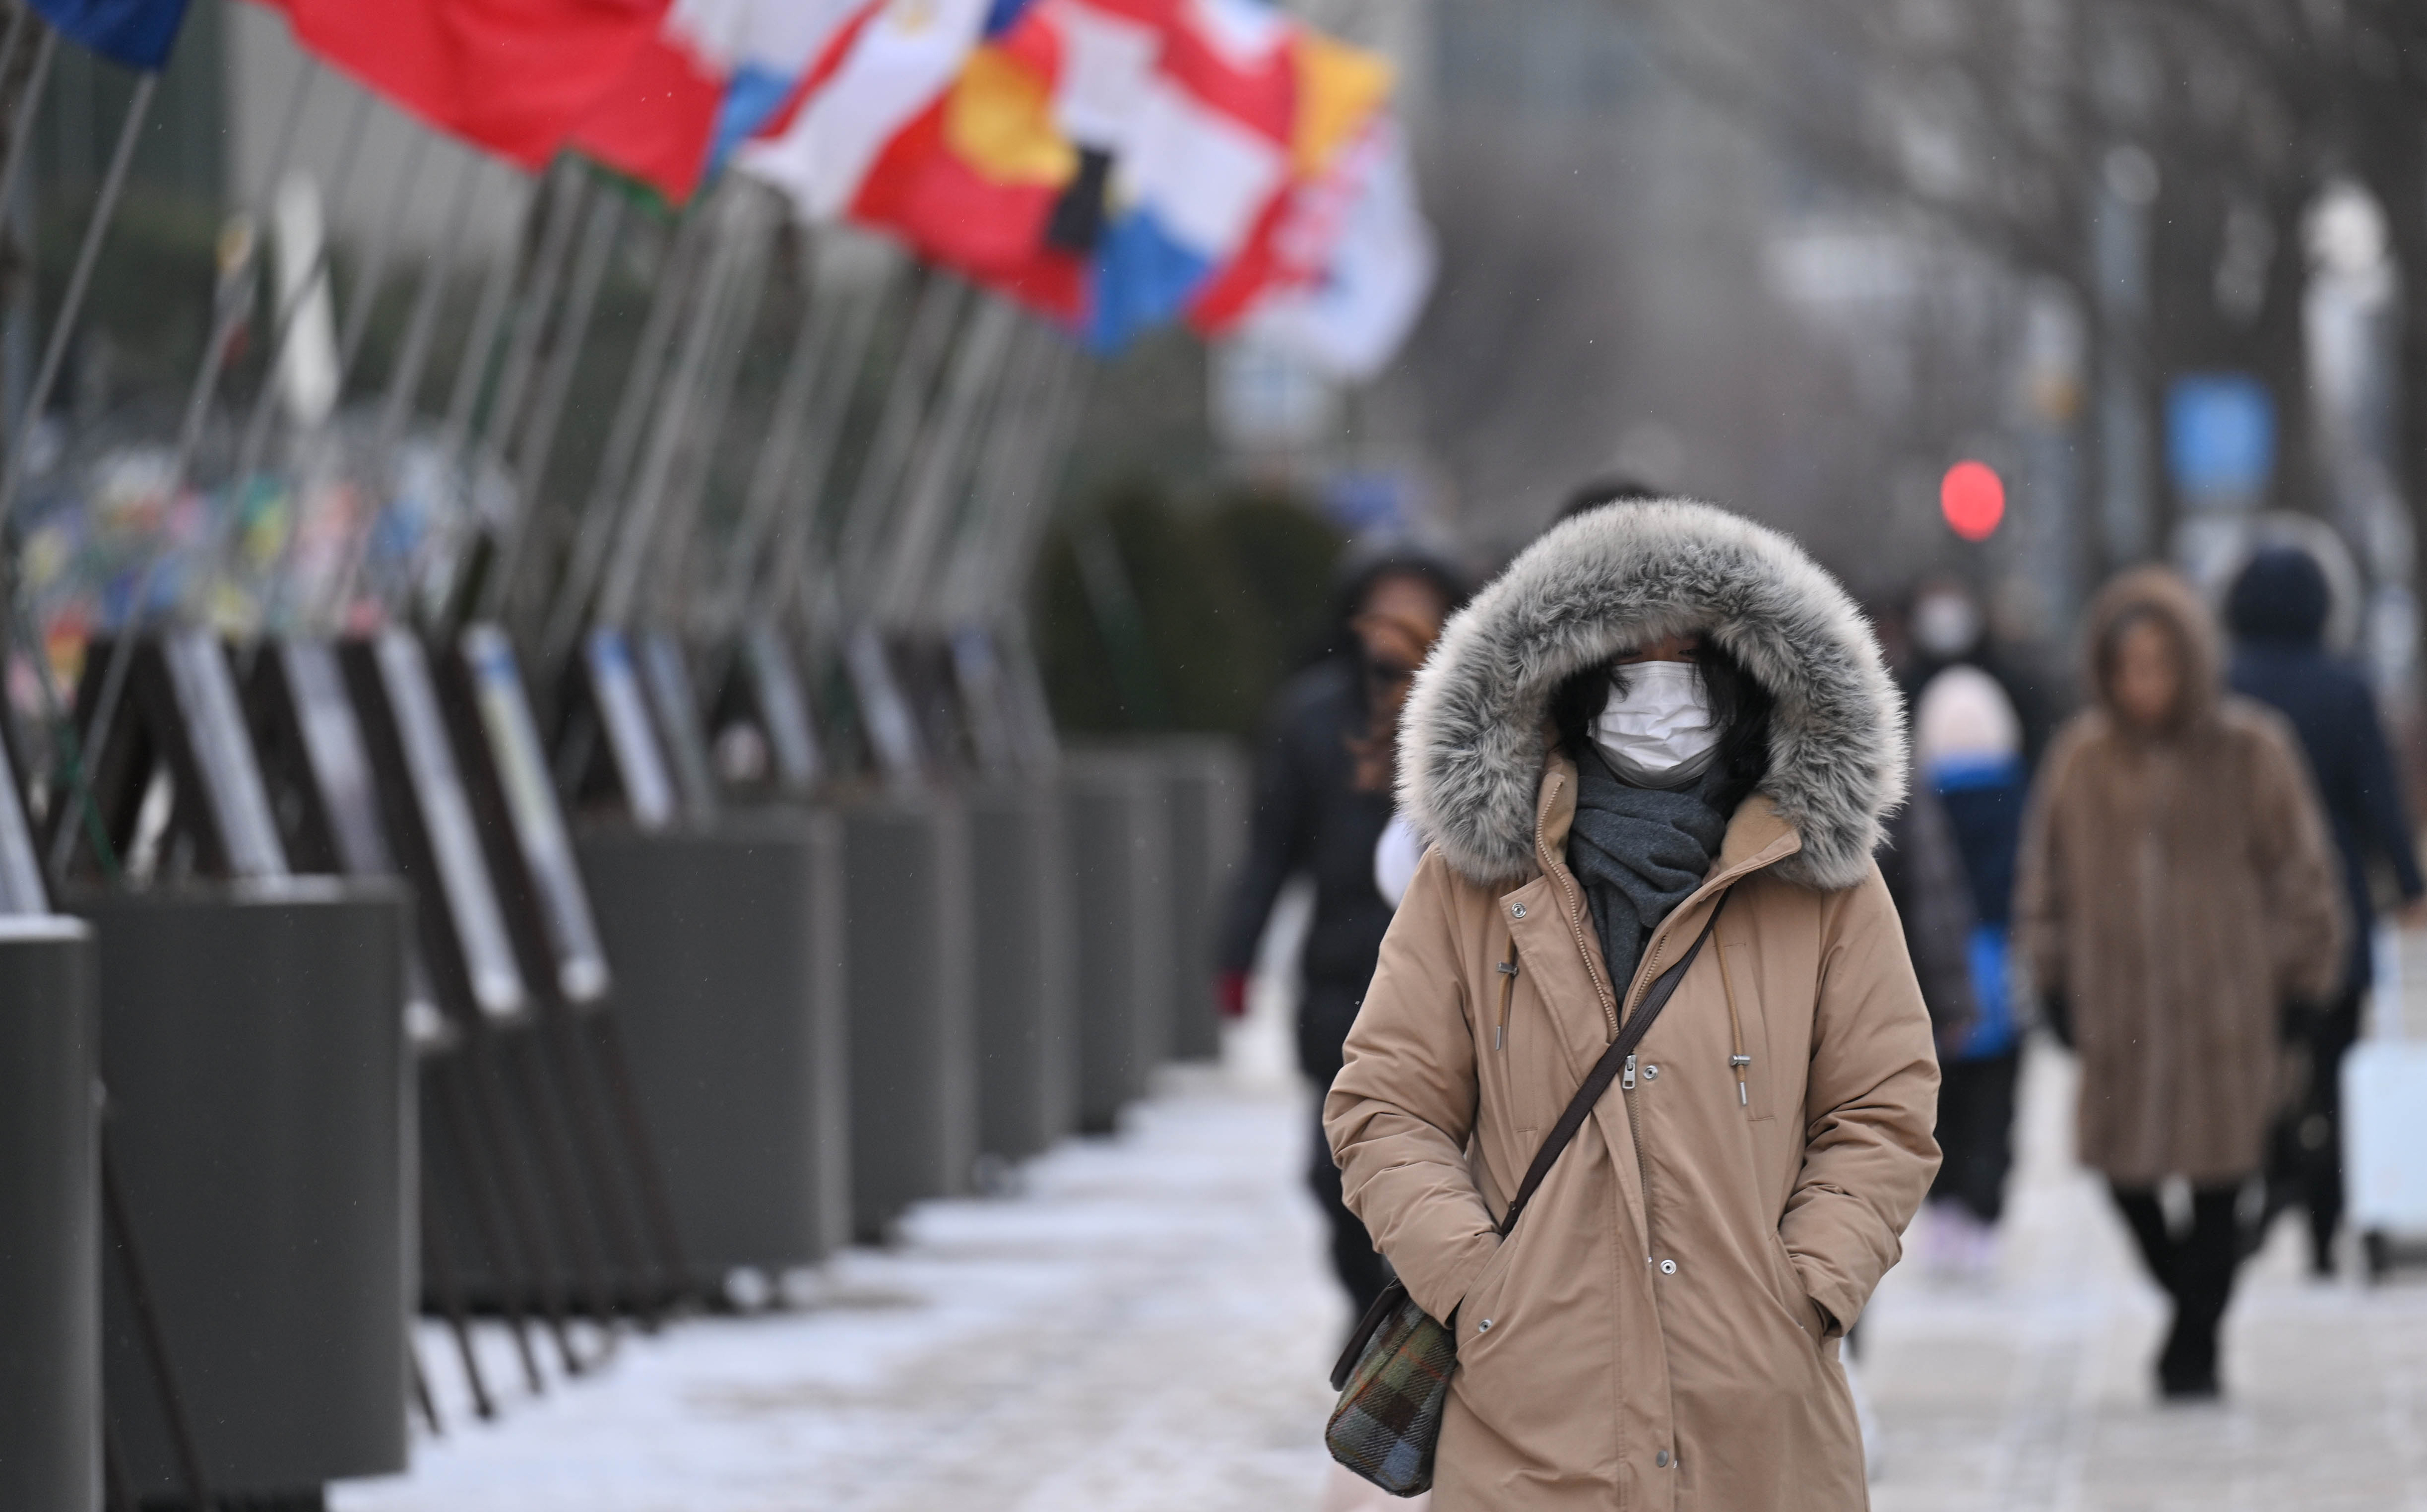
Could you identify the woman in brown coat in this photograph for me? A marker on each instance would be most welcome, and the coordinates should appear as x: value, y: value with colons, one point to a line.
x: 2176, y: 893
x: 1657, y: 706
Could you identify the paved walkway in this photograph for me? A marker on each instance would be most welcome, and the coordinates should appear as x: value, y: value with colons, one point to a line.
x: 1146, y: 1328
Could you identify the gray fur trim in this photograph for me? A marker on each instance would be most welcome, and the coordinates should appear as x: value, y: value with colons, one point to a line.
x: 1471, y: 739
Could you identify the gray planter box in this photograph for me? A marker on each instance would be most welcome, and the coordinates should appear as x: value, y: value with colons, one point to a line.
x: 726, y: 950
x: 1027, y: 1032
x: 253, y: 1042
x: 1117, y: 813
x: 50, y: 1218
x: 912, y: 963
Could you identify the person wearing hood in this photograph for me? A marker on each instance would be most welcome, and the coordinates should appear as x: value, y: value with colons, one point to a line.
x: 2175, y: 890
x: 1662, y: 739
x: 1321, y: 797
x: 2277, y: 611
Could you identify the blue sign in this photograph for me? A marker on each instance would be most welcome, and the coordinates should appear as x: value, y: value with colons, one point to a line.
x: 2220, y: 437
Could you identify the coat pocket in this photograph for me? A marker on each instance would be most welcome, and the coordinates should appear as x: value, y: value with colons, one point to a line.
x: 1743, y: 985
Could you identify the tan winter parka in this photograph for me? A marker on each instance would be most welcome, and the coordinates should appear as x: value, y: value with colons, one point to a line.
x: 1660, y: 1330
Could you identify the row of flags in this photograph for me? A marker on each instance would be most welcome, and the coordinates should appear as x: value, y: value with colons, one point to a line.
x: 1119, y: 165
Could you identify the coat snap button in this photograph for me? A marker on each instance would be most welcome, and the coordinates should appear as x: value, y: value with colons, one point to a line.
x: 1516, y: 910
x: 1483, y: 1327
x: 1668, y: 1267
x: 1652, y: 1073
x: 1661, y: 1459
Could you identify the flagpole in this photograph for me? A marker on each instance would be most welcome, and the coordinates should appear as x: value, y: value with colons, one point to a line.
x: 12, y: 471
x: 619, y: 591
x: 113, y: 183
x: 21, y: 130
x: 537, y: 444
x: 675, y: 543
x: 788, y: 419
x: 226, y: 323
x: 381, y: 252
x: 1020, y: 408
x: 282, y: 331
x: 932, y: 324
x: 404, y: 380
x: 1036, y: 489
x: 566, y: 202
x: 934, y: 485
x: 793, y: 551
x: 600, y: 517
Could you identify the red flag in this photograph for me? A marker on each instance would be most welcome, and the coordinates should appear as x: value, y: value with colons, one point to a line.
x: 515, y: 76
x: 657, y: 122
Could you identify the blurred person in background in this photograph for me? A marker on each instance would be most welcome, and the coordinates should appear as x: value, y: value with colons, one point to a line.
x: 1655, y: 709
x: 1946, y: 627
x: 2175, y: 889
x: 2277, y: 611
x: 1322, y: 796
x: 1969, y: 757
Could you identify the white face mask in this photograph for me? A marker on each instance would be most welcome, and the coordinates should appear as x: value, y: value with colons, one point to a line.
x: 1657, y: 730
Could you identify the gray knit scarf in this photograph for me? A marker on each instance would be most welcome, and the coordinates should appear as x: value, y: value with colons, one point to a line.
x: 1639, y: 853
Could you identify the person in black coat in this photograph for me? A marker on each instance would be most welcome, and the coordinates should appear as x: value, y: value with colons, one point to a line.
x: 1321, y: 799
x: 2277, y: 611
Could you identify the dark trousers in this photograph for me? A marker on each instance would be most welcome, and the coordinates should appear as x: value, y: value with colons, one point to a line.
x: 1323, y: 1015
x: 2304, y: 1164
x: 2196, y: 1268
x: 1976, y: 1132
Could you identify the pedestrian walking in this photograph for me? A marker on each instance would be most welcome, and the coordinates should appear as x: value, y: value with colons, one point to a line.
x: 1322, y: 795
x: 2176, y: 891
x: 2277, y: 611
x: 1968, y: 751
x: 1657, y: 749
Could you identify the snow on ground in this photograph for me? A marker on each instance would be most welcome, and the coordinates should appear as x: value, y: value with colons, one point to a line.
x: 1146, y: 1327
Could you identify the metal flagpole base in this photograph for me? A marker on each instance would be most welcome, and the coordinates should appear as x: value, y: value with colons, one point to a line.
x: 253, y: 1042
x: 726, y: 947
x: 50, y: 1210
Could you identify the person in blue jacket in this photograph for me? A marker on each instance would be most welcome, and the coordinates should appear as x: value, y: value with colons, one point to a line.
x: 2278, y: 610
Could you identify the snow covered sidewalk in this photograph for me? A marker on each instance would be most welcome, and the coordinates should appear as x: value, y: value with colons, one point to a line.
x: 1146, y: 1327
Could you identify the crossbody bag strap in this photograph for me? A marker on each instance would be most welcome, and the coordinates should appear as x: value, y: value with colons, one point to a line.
x: 1606, y: 1070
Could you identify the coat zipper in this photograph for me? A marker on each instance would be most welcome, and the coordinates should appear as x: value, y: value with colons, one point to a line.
x: 1554, y: 867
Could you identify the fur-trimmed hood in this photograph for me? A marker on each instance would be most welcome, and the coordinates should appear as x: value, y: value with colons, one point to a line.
x: 1473, y: 737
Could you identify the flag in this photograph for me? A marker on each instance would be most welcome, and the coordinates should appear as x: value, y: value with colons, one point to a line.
x: 1097, y: 159
x: 513, y: 76
x: 1341, y: 92
x: 1206, y: 148
x: 1351, y: 318
x: 880, y: 76
x: 137, y: 33
x: 654, y: 123
x: 715, y: 72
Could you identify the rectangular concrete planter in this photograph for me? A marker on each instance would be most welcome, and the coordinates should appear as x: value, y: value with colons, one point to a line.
x: 726, y: 949
x: 252, y: 1043
x: 913, y: 969
x: 50, y: 1217
x: 1117, y: 813
x: 1027, y: 1032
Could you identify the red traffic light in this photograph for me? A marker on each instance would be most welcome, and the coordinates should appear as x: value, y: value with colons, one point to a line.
x: 1973, y: 499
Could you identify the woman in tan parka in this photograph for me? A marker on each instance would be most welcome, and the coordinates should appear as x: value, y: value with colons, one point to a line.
x: 1654, y: 706
x: 2176, y: 892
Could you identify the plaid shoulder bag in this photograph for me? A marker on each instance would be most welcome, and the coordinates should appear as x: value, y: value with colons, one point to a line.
x: 1393, y: 1376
